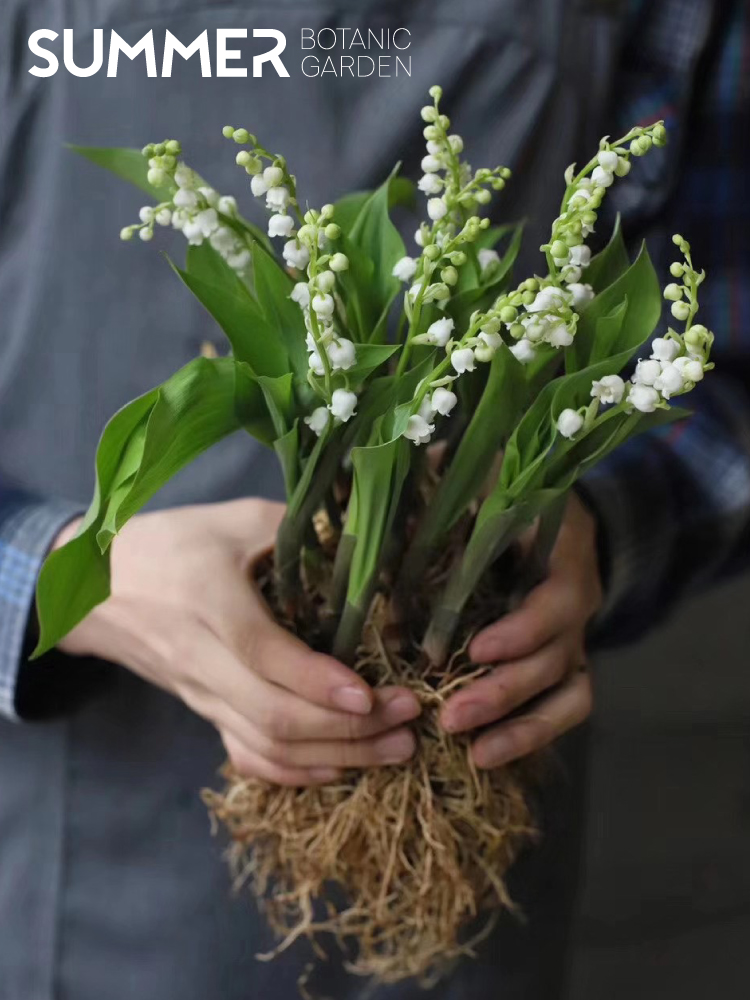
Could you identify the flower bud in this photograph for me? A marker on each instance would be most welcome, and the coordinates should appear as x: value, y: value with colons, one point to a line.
x: 126, y: 234
x: 435, y: 92
x: 559, y: 249
x: 569, y: 423
x: 243, y: 158
x: 431, y: 132
x: 673, y: 292
x: 146, y: 235
x: 659, y: 135
x: 696, y: 337
x: 428, y: 113
x: 156, y: 176
x: 680, y: 310
x: 326, y: 281
x: 508, y: 314
x: 332, y: 231
x: 623, y: 167
x: 449, y: 275
x: 339, y: 262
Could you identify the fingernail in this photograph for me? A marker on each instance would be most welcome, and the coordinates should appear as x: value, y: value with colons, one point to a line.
x: 469, y: 715
x: 397, y: 748
x: 403, y: 708
x: 352, y: 699
x: 323, y: 774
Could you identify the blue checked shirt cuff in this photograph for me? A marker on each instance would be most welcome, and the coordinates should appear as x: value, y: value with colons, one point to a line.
x: 27, y: 530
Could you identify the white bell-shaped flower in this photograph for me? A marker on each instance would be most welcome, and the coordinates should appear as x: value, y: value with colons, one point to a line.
x: 280, y: 225
x: 323, y: 306
x: 277, y: 199
x: 301, y: 294
x: 258, y: 186
x: 487, y: 258
x: 430, y: 184
x: 443, y: 401
x: 418, y: 430
x: 669, y: 381
x: 296, y: 255
x: 404, y: 269
x: 437, y: 209
x: 643, y: 397
x: 343, y: 354
x: 439, y: 332
x: 609, y: 389
x: 569, y: 423
x: 602, y: 178
x: 664, y: 349
x: 463, y: 360
x: 647, y: 372
x: 582, y: 295
x: 607, y: 159
x: 317, y: 421
x: 523, y: 351
x: 691, y: 369
x: 343, y: 404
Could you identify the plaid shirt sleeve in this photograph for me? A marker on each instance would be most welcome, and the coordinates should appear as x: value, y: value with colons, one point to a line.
x: 674, y: 507
x: 28, y: 526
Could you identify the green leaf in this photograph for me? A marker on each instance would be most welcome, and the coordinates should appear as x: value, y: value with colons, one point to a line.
x: 401, y: 191
x: 287, y: 449
x: 358, y: 292
x: 490, y: 424
x: 142, y: 446
x: 376, y: 236
x: 640, y: 286
x: 206, y: 264
x: 279, y: 396
x: 254, y: 340
x: 369, y: 358
x: 273, y: 287
x: 128, y: 164
x: 611, y: 263
x: 464, y: 303
x: 379, y: 473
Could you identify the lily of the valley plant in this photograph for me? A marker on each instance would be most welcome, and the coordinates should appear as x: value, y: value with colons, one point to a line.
x: 349, y: 356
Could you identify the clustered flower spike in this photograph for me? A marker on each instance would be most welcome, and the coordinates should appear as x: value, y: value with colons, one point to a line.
x: 677, y: 362
x: 548, y: 308
x: 307, y: 248
x: 195, y: 208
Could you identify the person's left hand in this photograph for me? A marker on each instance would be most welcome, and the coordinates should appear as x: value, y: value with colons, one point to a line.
x: 539, y: 652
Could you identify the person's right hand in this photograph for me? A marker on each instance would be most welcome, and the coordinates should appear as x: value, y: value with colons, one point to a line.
x: 185, y: 615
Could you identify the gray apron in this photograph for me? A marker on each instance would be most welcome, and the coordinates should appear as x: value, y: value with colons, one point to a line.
x: 111, y: 887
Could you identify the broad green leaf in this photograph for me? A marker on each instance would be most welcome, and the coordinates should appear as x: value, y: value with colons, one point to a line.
x: 377, y: 237
x: 287, y: 449
x: 401, y: 191
x: 610, y: 264
x: 142, y: 446
x: 129, y: 165
x: 369, y: 358
x: 379, y: 473
x: 640, y: 286
x: 254, y: 340
x: 273, y: 287
x: 358, y: 292
x: 279, y: 396
x: 481, y: 297
x: 206, y: 264
x: 490, y: 424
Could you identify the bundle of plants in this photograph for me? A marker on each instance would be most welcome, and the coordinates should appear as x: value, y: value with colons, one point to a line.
x: 427, y: 412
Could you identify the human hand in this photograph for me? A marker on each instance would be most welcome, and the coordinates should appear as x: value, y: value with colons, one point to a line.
x: 185, y: 615
x: 539, y: 652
